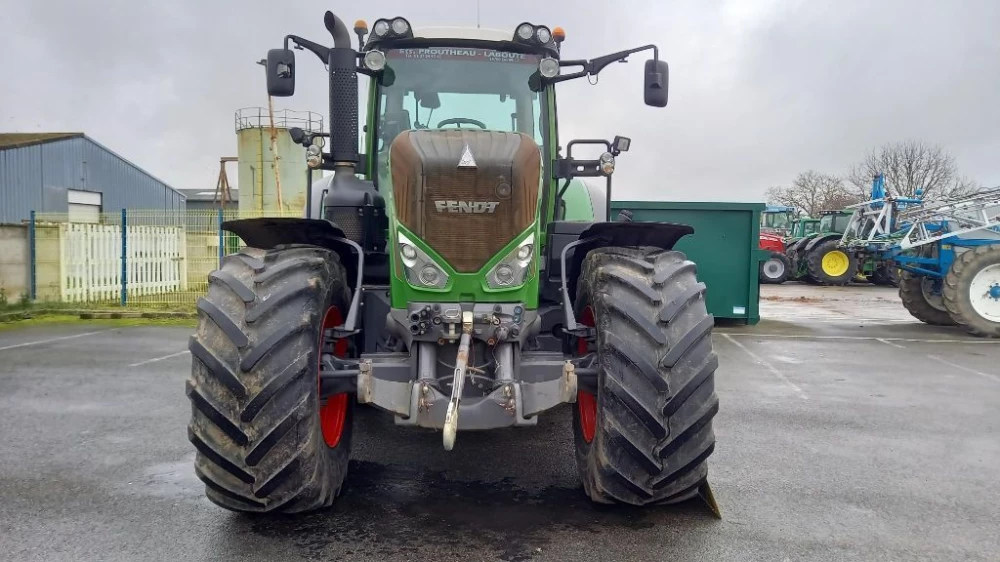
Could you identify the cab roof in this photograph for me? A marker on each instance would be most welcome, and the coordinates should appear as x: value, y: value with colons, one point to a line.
x: 456, y: 32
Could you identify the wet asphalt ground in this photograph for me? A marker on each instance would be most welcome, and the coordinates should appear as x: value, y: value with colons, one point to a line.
x: 842, y: 435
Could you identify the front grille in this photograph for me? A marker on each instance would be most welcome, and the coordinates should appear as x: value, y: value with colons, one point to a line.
x: 425, y: 171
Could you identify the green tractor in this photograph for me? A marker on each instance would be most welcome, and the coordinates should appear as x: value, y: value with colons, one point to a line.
x: 817, y: 258
x: 801, y: 228
x: 445, y: 276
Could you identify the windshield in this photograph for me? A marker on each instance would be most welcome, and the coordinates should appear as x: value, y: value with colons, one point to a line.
x: 777, y: 220
x: 826, y: 223
x: 449, y: 87
x: 834, y: 223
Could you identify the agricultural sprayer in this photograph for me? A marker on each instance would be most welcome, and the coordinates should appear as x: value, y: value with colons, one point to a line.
x: 947, y: 250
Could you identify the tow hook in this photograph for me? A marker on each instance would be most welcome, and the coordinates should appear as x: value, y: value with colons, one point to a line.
x: 461, y: 364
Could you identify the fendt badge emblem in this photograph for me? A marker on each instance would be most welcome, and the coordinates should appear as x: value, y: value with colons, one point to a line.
x: 466, y: 161
x: 470, y: 207
x: 474, y: 207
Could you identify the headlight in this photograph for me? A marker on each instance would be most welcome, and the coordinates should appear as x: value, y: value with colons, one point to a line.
x: 381, y: 28
x: 543, y: 34
x: 420, y: 269
x: 548, y: 67
x: 429, y: 275
x: 513, y: 270
x: 400, y: 26
x: 375, y: 60
x: 312, y: 150
x: 525, y: 31
x: 607, y: 163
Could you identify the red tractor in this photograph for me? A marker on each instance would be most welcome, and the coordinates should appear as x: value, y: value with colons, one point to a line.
x: 776, y: 269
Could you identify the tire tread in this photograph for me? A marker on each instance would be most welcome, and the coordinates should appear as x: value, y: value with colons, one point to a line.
x: 656, y: 394
x: 253, y: 392
x: 956, y: 287
x: 814, y: 264
x: 912, y: 295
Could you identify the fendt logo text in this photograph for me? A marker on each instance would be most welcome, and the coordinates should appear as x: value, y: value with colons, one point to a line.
x: 466, y: 206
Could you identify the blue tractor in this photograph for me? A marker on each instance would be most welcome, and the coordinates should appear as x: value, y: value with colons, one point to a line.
x: 777, y: 219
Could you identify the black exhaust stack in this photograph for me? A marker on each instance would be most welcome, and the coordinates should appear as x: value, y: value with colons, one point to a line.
x: 351, y: 203
x: 343, y: 95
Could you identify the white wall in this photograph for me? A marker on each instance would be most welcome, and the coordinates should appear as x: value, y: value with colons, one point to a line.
x: 15, y: 261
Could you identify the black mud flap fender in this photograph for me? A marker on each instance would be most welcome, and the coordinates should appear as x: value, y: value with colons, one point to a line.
x: 269, y: 232
x: 819, y: 240
x: 633, y: 234
x: 607, y: 234
x: 797, y: 245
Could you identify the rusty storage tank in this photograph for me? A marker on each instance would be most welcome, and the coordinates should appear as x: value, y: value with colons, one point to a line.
x: 258, y: 162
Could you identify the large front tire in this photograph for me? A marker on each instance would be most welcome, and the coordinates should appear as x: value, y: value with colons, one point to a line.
x: 922, y: 301
x: 646, y: 436
x: 972, y: 291
x: 265, y: 441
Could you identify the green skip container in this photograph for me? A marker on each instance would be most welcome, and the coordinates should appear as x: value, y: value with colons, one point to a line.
x: 725, y: 245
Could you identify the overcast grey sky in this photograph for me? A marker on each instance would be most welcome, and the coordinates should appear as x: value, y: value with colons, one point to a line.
x: 760, y: 90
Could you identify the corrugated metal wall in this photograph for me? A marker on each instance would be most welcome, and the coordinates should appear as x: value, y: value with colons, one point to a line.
x: 36, y: 178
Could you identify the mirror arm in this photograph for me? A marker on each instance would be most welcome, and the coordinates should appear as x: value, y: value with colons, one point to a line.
x: 319, y: 50
x: 598, y: 64
x: 565, y: 77
x: 595, y: 66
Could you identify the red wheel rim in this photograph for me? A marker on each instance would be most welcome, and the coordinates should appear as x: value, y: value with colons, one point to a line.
x: 586, y: 402
x: 332, y: 413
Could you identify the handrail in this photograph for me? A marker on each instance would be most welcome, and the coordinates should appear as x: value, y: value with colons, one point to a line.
x: 258, y: 118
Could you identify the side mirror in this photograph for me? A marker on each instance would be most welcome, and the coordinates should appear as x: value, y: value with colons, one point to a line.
x: 656, y: 82
x: 280, y: 72
x: 430, y: 100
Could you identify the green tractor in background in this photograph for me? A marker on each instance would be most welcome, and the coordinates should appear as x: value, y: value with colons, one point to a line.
x: 801, y: 228
x: 453, y: 275
x: 818, y: 258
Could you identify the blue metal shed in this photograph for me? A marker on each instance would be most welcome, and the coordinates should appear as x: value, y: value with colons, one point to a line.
x: 43, y: 171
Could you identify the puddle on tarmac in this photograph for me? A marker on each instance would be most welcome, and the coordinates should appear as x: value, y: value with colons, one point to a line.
x: 388, y: 510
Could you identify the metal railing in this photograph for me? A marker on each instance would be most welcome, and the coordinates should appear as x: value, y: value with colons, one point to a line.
x: 257, y: 118
x: 131, y: 258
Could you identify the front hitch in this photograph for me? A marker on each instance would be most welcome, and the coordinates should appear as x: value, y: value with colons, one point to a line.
x: 450, y: 429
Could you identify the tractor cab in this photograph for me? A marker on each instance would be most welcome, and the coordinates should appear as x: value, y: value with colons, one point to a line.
x: 834, y: 222
x: 804, y: 227
x: 777, y: 219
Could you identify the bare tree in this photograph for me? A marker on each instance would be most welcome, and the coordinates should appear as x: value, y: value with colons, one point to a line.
x: 812, y: 192
x: 909, y: 166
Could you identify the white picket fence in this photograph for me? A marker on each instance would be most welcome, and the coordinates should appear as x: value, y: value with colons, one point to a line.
x: 90, y: 261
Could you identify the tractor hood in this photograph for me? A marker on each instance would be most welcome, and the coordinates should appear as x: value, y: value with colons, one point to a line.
x: 466, y: 193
